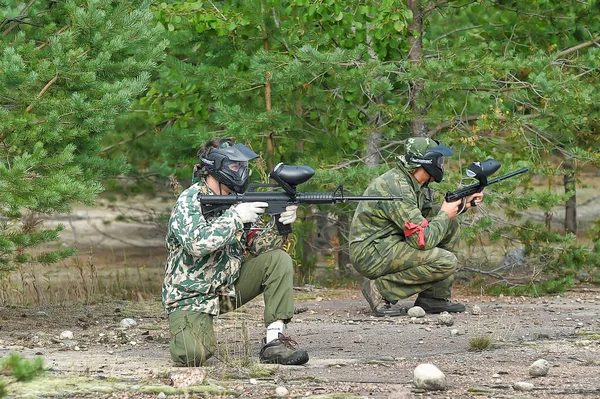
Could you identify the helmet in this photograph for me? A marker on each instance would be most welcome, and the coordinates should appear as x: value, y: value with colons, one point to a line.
x: 229, y: 165
x: 428, y: 154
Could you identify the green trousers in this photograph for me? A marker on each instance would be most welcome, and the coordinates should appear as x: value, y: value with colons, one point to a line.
x: 271, y: 273
x: 429, y: 273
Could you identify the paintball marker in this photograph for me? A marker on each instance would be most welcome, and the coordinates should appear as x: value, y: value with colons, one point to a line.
x: 481, y: 171
x: 287, y: 178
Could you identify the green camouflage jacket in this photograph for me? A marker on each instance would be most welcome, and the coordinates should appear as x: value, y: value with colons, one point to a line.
x: 378, y: 226
x: 205, y: 254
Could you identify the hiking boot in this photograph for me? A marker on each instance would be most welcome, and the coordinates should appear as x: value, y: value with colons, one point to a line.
x: 283, y: 350
x: 436, y: 305
x: 380, y: 307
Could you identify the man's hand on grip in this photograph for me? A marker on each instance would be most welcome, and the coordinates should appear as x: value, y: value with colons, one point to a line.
x: 250, y: 211
x: 289, y: 216
x: 451, y: 208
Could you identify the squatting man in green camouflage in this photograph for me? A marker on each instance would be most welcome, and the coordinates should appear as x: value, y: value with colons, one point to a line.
x: 215, y: 265
x: 407, y: 247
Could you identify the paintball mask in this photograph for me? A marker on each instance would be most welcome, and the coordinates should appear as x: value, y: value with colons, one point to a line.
x: 229, y: 166
x: 428, y: 154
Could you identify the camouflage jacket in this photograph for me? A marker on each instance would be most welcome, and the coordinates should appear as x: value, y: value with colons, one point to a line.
x: 205, y: 254
x: 378, y: 226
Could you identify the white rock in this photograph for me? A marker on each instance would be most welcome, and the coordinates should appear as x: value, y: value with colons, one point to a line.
x: 127, y: 323
x: 539, y: 368
x: 281, y: 391
x: 66, y: 334
x: 253, y: 381
x: 445, y: 319
x: 429, y: 377
x: 416, y: 311
x: 162, y: 395
x: 476, y: 310
x: 187, y: 377
x: 454, y: 332
x: 523, y: 386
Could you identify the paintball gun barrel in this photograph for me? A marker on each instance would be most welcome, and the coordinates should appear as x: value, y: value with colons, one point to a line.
x: 481, y: 171
x: 287, y: 178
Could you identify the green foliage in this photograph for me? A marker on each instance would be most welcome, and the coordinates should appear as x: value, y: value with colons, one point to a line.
x: 67, y: 71
x: 18, y: 369
x: 517, y: 84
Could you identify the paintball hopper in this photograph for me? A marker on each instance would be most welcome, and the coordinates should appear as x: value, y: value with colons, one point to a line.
x: 482, y: 170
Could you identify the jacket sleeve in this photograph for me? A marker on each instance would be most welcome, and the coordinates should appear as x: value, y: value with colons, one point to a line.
x: 405, y: 214
x: 197, y: 236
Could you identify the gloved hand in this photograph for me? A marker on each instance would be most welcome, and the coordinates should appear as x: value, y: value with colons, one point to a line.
x: 249, y: 211
x: 289, y: 216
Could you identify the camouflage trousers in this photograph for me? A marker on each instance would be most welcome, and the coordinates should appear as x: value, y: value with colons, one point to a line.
x: 270, y: 273
x: 405, y: 271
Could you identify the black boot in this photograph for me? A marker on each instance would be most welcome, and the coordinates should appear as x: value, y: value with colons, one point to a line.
x: 283, y: 350
x: 436, y: 305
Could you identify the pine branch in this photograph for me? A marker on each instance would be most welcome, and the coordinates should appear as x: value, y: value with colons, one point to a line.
x: 41, y: 93
x: 18, y: 20
x: 140, y: 134
x: 61, y: 30
x: 579, y: 47
x: 433, y: 132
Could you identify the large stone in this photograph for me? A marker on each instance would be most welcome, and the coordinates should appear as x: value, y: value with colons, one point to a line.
x: 429, y: 377
x: 539, y: 368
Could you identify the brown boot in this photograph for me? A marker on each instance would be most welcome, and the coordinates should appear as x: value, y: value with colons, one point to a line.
x: 380, y: 307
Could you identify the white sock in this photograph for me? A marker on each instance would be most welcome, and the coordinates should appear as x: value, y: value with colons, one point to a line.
x: 273, y: 330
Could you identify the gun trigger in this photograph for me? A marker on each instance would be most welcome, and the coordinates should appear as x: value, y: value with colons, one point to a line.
x: 473, y: 203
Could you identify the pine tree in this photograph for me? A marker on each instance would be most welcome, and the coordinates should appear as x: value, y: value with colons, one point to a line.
x: 67, y: 70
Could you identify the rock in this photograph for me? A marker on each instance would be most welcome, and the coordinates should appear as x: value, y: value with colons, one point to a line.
x: 281, y: 392
x: 476, y: 310
x: 523, y: 386
x: 429, y: 377
x: 416, y: 311
x: 66, y: 335
x: 186, y: 377
x: 445, y: 319
x: 128, y: 323
x: 539, y: 368
x: 162, y: 395
x: 253, y: 381
x: 454, y: 332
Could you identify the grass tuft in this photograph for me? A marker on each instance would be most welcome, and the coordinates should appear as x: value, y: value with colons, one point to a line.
x: 480, y: 343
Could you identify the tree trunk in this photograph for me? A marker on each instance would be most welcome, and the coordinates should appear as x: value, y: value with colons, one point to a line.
x: 415, y: 56
x: 373, y: 153
x: 268, y: 104
x: 344, y: 251
x: 571, y: 204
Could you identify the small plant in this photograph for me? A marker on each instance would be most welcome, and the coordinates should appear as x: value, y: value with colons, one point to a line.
x: 480, y: 343
x: 18, y: 369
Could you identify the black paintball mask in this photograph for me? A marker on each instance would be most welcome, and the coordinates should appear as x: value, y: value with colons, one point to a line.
x: 432, y: 159
x: 229, y: 166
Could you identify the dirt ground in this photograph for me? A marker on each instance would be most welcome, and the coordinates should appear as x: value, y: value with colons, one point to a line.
x: 352, y: 353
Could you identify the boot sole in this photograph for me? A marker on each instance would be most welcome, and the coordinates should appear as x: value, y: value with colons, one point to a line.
x: 296, y: 359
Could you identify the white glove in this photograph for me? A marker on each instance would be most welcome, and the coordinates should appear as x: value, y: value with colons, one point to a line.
x: 289, y: 216
x: 249, y: 211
